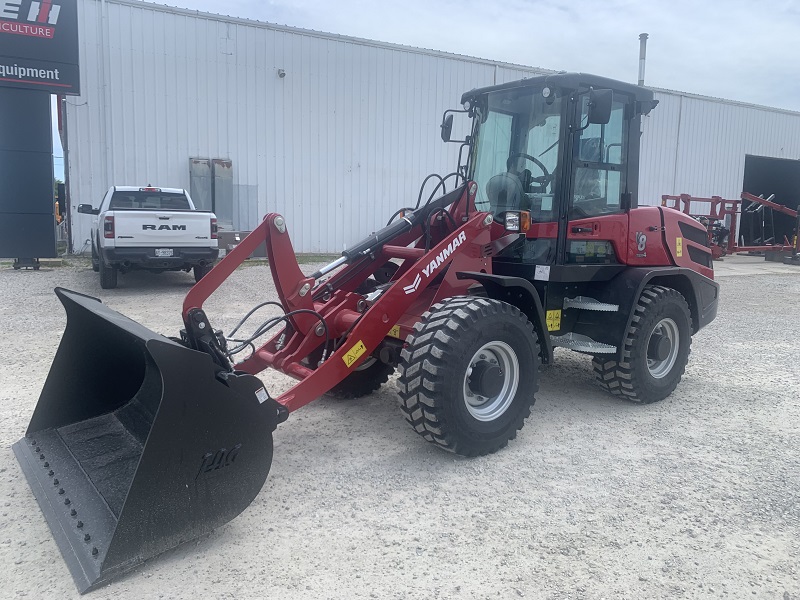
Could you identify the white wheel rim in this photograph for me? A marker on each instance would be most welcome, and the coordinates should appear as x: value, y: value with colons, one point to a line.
x: 669, y: 329
x: 485, y: 408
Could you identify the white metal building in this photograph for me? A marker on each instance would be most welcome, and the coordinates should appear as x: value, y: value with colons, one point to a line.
x: 335, y: 132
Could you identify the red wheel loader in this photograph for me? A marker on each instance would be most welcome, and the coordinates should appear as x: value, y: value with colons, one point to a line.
x: 140, y: 442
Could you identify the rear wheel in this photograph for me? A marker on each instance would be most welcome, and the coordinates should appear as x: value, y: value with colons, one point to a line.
x: 201, y: 271
x: 656, y: 349
x: 108, y: 274
x: 95, y: 260
x: 469, y: 374
x: 364, y: 380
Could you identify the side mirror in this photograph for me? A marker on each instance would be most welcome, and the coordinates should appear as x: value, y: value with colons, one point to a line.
x: 87, y: 209
x: 600, y: 106
x: 447, y: 127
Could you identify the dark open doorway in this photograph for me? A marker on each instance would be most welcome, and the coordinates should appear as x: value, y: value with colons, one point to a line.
x: 766, y: 176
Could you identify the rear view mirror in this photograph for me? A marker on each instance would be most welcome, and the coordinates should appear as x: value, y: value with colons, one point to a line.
x: 87, y: 209
x: 447, y: 127
x: 600, y: 106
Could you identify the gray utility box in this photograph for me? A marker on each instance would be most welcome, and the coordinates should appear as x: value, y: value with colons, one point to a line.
x: 228, y: 240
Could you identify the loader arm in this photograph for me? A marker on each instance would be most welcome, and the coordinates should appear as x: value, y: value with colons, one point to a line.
x: 357, y: 325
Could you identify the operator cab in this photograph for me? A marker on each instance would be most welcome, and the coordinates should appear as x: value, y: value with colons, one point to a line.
x: 563, y: 147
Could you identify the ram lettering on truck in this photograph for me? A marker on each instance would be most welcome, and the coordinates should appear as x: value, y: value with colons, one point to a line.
x: 164, y: 227
x: 153, y: 229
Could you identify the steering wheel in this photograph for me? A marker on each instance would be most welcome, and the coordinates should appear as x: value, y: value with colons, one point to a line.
x: 542, y: 180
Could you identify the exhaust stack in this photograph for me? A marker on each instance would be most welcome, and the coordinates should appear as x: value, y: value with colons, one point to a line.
x: 642, y: 55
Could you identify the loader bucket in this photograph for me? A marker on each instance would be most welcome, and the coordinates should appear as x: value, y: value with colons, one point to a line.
x: 137, y: 444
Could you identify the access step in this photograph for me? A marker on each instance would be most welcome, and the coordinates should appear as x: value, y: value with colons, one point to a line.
x: 581, y: 343
x: 586, y: 303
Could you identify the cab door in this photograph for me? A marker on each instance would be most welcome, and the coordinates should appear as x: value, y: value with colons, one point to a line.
x: 598, y: 194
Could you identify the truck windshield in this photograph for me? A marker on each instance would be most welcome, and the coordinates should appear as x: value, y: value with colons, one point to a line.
x: 140, y: 200
x: 517, y: 150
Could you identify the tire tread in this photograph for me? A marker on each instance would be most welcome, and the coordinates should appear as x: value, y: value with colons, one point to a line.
x: 422, y: 369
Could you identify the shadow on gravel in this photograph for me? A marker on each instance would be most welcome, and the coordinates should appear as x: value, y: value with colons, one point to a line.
x: 334, y: 429
x: 143, y: 282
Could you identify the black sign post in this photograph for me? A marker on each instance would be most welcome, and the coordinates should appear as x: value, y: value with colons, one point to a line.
x: 38, y: 57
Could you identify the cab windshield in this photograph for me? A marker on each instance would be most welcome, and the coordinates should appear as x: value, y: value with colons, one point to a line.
x: 517, y: 150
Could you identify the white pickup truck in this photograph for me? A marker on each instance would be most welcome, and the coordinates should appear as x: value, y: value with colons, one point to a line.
x: 156, y: 229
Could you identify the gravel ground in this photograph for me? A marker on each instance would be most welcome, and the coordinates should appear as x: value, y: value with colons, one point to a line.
x: 694, y: 497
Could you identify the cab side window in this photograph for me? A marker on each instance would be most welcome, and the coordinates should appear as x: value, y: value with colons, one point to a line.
x: 599, y: 164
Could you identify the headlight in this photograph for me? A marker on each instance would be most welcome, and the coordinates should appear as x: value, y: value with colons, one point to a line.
x: 517, y: 220
x: 512, y: 221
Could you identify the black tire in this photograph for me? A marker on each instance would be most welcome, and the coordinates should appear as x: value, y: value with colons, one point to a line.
x: 201, y: 271
x: 108, y: 275
x: 434, y: 383
x: 364, y: 380
x: 95, y: 260
x: 639, y: 377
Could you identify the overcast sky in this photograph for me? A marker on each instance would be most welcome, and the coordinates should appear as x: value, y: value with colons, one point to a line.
x: 747, y: 51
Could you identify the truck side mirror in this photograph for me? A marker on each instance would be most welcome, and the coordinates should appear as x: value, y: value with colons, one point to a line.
x: 87, y: 209
x: 600, y: 106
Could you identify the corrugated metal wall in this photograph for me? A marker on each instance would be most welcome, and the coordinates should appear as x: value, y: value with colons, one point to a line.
x: 698, y: 145
x: 336, y: 145
x: 342, y: 140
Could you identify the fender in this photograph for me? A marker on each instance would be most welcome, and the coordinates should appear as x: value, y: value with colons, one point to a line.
x: 701, y: 293
x: 520, y: 293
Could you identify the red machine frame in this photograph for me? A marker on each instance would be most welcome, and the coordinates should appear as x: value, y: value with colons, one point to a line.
x: 466, y: 247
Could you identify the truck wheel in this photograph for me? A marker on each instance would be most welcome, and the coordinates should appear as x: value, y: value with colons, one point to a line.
x: 108, y: 274
x: 95, y: 260
x: 469, y: 374
x: 656, y: 349
x: 364, y: 380
x: 201, y: 271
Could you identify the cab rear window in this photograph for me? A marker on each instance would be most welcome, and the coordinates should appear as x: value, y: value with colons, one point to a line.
x: 148, y: 201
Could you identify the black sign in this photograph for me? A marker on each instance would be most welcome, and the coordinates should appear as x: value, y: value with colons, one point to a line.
x: 39, y: 45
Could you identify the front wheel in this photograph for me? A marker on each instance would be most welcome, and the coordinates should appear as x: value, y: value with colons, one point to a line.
x: 469, y: 374
x: 656, y: 349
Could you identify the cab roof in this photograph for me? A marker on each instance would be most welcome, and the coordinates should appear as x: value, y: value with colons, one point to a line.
x: 568, y: 81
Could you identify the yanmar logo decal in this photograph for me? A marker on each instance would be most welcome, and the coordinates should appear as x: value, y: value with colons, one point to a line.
x: 436, y: 263
x: 16, y: 18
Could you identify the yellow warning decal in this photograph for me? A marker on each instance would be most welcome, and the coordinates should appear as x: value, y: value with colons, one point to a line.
x: 395, y: 332
x: 354, y: 353
x: 553, y: 320
x: 679, y: 247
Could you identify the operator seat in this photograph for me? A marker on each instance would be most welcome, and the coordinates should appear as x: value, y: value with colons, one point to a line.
x: 505, y: 192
